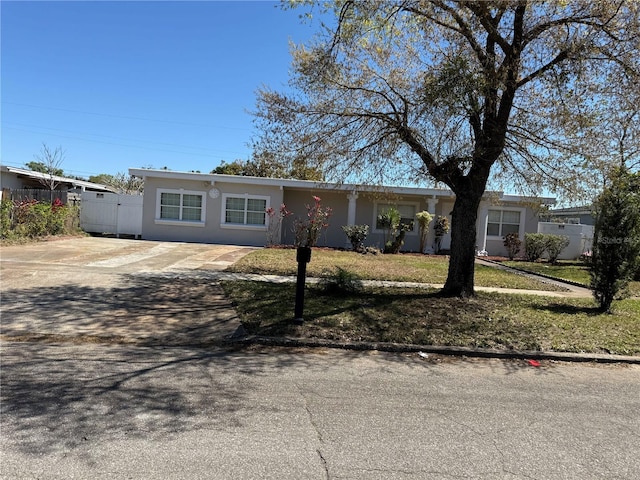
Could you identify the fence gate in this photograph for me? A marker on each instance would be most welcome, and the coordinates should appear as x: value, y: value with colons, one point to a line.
x: 111, y: 213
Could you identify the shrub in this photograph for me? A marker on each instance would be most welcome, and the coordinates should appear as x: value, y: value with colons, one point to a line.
x: 36, y: 219
x: 534, y: 246
x: 6, y: 214
x: 340, y: 281
x: 356, y: 235
x: 424, y: 219
x: 512, y: 242
x: 441, y: 228
x: 616, y: 239
x: 555, y: 244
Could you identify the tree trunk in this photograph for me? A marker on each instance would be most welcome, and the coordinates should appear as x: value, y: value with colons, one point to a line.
x: 463, y: 246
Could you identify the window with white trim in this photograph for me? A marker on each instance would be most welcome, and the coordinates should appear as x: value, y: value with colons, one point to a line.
x: 407, y: 214
x: 500, y: 223
x: 180, y: 206
x: 245, y: 210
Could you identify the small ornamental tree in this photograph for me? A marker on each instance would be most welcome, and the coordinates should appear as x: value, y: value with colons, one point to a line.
x: 390, y: 220
x: 308, y: 230
x: 512, y: 242
x: 616, y: 238
x: 441, y: 228
x: 424, y: 219
x: 275, y: 222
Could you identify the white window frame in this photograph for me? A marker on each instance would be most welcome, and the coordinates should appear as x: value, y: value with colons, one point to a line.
x: 385, y: 205
x: 181, y: 192
x: 244, y: 226
x: 520, y: 226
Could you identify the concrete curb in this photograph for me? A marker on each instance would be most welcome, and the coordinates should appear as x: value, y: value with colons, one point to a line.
x: 434, y: 349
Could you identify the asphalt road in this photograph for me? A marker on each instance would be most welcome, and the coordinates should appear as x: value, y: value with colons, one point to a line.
x: 99, y: 411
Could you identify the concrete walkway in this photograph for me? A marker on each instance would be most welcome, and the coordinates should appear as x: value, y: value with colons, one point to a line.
x: 573, y: 291
x: 570, y: 291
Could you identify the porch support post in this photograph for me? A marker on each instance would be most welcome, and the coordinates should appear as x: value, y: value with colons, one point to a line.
x: 431, y: 236
x: 351, y: 213
x: 481, y: 228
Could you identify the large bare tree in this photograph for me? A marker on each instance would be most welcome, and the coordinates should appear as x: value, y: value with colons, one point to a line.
x: 460, y: 92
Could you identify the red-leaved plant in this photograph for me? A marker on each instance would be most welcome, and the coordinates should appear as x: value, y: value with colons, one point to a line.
x: 308, y: 230
x: 275, y: 220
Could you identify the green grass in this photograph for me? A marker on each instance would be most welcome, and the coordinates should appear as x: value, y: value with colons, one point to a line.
x: 568, y: 270
x: 420, y: 316
x: 400, y: 267
x: 417, y: 316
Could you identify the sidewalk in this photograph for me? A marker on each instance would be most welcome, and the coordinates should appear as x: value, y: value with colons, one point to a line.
x: 572, y: 291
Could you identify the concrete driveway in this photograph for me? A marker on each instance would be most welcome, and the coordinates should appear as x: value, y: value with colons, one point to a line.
x: 130, y: 291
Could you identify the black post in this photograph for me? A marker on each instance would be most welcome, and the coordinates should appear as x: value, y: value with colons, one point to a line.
x: 303, y: 256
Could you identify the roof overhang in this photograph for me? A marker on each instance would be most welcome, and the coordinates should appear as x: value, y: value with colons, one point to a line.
x: 214, y: 178
x: 55, y: 178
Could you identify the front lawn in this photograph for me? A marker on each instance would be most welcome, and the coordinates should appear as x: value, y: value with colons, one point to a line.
x: 420, y: 316
x: 574, y: 271
x: 399, y: 267
x: 417, y: 316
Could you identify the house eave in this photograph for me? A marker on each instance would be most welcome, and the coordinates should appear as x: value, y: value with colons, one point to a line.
x: 70, y: 182
x: 214, y: 178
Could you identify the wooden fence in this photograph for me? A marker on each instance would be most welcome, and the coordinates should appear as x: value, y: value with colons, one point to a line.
x: 40, y: 195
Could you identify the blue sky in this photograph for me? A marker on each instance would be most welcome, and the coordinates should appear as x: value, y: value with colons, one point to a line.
x: 139, y: 84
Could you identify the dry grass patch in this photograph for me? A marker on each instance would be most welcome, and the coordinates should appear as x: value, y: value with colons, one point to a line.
x: 421, y: 317
x: 400, y: 267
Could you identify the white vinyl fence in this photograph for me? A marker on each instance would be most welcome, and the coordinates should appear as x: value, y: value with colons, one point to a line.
x: 580, y: 237
x: 111, y: 213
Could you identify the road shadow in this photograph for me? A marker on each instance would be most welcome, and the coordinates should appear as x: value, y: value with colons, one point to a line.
x: 62, y: 398
x: 53, y: 403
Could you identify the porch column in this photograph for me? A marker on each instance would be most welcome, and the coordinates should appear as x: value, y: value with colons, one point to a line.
x: 431, y: 236
x: 481, y: 228
x: 351, y: 213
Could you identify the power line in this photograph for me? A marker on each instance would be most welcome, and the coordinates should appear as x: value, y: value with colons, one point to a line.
x: 120, y: 144
x: 12, y: 125
x: 124, y: 116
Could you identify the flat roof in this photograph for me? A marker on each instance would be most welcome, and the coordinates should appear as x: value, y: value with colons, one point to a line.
x: 214, y: 178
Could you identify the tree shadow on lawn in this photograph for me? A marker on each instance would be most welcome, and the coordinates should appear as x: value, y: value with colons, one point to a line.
x: 570, y: 309
x: 385, y: 315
